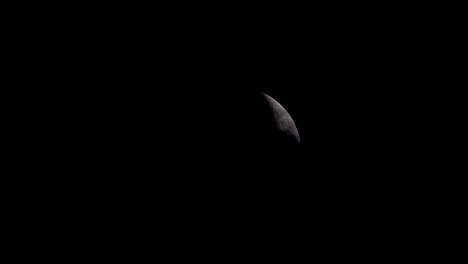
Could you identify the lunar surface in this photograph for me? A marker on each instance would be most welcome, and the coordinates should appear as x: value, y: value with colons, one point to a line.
x: 282, y: 119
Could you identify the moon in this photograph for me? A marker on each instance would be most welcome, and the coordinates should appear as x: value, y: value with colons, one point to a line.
x: 282, y: 119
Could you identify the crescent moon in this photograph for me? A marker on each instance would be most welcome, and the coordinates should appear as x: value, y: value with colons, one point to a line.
x: 283, y: 120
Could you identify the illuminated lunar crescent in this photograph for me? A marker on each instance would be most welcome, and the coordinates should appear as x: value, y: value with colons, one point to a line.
x: 283, y: 121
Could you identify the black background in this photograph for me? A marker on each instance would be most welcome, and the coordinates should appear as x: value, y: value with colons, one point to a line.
x: 349, y: 81
x: 358, y: 87
x: 358, y: 84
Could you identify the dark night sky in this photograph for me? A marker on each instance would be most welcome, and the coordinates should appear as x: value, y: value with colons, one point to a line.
x: 126, y: 106
x: 339, y: 80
